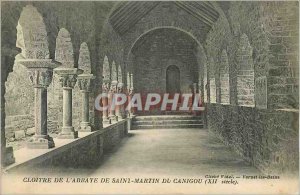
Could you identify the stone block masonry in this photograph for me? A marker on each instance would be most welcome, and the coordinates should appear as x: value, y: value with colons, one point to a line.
x: 268, y: 139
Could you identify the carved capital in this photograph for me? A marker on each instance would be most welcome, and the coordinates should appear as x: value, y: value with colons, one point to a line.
x: 120, y: 87
x: 84, y: 81
x: 131, y: 91
x: 84, y: 84
x: 113, y: 87
x: 68, y: 81
x: 40, y: 77
x: 105, y: 87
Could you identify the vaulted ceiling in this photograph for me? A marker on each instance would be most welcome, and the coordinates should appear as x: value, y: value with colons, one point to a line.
x: 128, y: 13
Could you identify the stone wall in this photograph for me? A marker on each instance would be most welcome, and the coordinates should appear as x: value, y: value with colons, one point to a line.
x: 259, y: 38
x: 83, y: 152
x: 155, y: 52
x: 17, y: 126
x: 266, y: 138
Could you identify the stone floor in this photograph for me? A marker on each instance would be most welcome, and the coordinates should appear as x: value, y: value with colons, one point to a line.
x: 151, y: 154
x: 167, y: 152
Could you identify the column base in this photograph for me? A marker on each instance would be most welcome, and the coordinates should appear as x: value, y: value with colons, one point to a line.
x: 85, y: 127
x: 113, y: 118
x: 68, y: 133
x: 106, y: 121
x: 40, y: 142
x: 8, y: 156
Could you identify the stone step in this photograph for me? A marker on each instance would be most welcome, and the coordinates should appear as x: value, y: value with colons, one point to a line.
x: 167, y: 117
x: 174, y: 126
x: 166, y: 122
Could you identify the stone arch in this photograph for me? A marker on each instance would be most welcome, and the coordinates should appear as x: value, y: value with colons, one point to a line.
x: 106, y: 70
x: 63, y: 54
x: 64, y: 48
x: 224, y: 78
x: 114, y: 72
x: 32, y: 39
x: 245, y: 73
x: 212, y: 81
x: 139, y: 36
x: 129, y: 54
x: 84, y: 61
x: 32, y: 35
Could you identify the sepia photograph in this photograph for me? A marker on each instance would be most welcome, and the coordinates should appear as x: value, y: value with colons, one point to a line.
x: 149, y: 97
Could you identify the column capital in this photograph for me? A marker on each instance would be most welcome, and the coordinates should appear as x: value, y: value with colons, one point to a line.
x: 40, y: 70
x: 113, y: 87
x: 68, y: 76
x: 84, y: 81
x: 120, y: 87
x: 105, y: 87
x: 131, y: 91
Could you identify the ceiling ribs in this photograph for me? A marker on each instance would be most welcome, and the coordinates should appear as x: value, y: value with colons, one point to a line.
x: 128, y: 13
x: 197, y: 11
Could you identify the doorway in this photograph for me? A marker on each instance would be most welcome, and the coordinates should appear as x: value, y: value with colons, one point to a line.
x: 173, y: 80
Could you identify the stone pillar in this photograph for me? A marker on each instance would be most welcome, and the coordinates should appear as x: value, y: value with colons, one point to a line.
x: 112, y: 110
x: 105, y: 89
x: 120, y: 109
x: 7, y: 59
x: 68, y: 78
x: 84, y: 83
x: 40, y: 74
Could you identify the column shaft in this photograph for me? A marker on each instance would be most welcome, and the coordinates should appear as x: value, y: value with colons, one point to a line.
x: 105, y: 104
x: 67, y: 107
x: 41, y: 139
x: 67, y: 131
x: 85, y: 106
x: 41, y: 112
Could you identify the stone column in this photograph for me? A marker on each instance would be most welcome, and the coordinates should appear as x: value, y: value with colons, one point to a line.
x: 105, y: 89
x: 40, y: 74
x: 120, y: 110
x: 131, y: 93
x: 68, y: 78
x: 112, y: 111
x: 84, y: 83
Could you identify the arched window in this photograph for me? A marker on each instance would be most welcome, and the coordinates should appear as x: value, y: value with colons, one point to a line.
x: 245, y: 73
